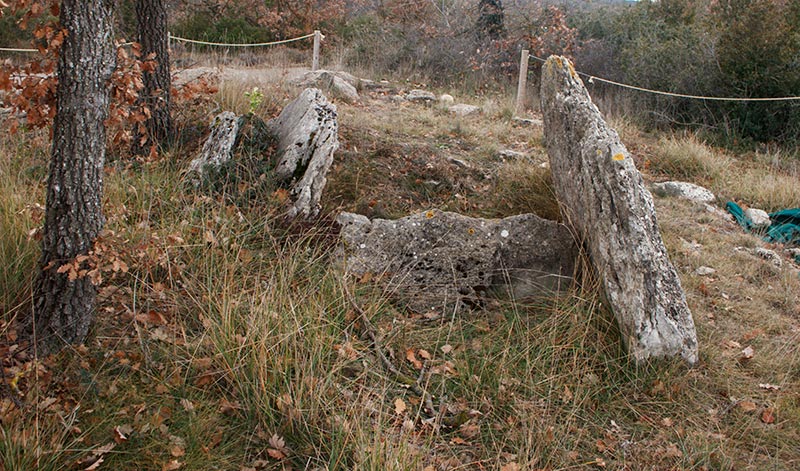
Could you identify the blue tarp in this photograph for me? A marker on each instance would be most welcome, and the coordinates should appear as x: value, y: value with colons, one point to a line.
x: 784, y: 229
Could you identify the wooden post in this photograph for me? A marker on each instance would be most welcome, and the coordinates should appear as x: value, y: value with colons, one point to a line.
x: 315, y: 59
x: 523, y: 81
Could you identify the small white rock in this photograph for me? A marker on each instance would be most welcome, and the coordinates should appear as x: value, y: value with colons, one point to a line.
x: 758, y: 218
x: 705, y: 271
x: 446, y: 100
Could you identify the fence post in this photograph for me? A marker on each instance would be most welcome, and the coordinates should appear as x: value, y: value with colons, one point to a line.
x: 315, y: 59
x: 522, y: 83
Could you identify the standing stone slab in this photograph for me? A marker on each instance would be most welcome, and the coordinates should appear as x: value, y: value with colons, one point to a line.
x: 438, y: 260
x: 218, y: 148
x: 604, y: 197
x: 307, y: 134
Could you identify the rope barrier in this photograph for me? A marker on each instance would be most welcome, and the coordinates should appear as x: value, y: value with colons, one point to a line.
x: 592, y: 78
x: 12, y: 49
x: 193, y: 41
x: 273, y: 43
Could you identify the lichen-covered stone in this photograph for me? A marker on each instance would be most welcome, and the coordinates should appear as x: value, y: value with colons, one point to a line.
x: 604, y: 197
x: 439, y: 260
x: 341, y: 85
x: 307, y: 135
x: 218, y: 148
x: 684, y: 190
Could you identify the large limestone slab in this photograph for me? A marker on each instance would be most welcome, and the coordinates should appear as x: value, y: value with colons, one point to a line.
x: 604, y: 197
x: 438, y: 260
x: 307, y: 133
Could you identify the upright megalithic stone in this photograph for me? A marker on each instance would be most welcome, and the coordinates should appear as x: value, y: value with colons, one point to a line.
x: 604, y: 197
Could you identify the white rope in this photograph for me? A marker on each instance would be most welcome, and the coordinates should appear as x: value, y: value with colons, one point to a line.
x: 273, y: 43
x: 11, y: 49
x: 592, y: 78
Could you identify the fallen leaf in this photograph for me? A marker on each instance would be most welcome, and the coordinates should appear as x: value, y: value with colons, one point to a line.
x: 121, y: 433
x: 96, y: 464
x: 672, y: 451
x: 512, y: 466
x: 279, y: 450
x: 732, y: 344
x: 227, y: 407
x: 410, y: 356
x: 667, y: 422
x: 188, y: 406
x: 747, y: 406
x: 446, y: 349
x: 424, y: 354
x: 171, y: 466
x: 768, y: 416
x: 769, y: 387
x: 400, y: 406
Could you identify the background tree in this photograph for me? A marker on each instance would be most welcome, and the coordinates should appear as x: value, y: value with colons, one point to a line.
x: 491, y: 19
x: 151, y: 17
x: 64, y: 296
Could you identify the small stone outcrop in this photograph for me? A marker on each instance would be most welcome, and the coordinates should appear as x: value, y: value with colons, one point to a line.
x: 218, y: 148
x: 420, y: 96
x: 439, y: 260
x: 463, y: 109
x: 604, y: 197
x: 341, y: 85
x: 307, y: 136
x: 684, y: 190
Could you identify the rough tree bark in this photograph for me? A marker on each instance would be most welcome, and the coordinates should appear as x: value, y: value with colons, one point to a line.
x: 151, y: 17
x: 64, y: 305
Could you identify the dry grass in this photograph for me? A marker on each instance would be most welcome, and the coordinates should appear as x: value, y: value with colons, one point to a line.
x: 232, y: 330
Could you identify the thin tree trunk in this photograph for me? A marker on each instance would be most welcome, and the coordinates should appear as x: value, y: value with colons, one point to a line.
x: 151, y: 17
x: 64, y: 305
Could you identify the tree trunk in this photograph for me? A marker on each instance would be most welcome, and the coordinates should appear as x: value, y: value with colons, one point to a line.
x: 64, y: 304
x: 151, y: 17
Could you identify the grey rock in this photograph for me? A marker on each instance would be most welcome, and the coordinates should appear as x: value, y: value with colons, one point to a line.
x: 420, y: 96
x: 604, y: 197
x: 769, y: 255
x: 463, y: 109
x: 684, y: 190
x: 218, y: 148
x: 508, y: 154
x: 759, y: 219
x: 458, y: 162
x: 440, y: 260
x: 529, y: 122
x: 307, y: 135
x: 446, y: 100
x: 341, y: 85
x: 705, y: 271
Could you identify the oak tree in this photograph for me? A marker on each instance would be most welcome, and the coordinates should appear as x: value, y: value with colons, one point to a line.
x: 64, y: 297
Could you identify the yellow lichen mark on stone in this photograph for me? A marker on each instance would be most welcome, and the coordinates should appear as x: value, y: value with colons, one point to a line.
x: 618, y: 156
x: 429, y: 214
x: 599, y: 152
x: 470, y: 231
x: 572, y: 70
